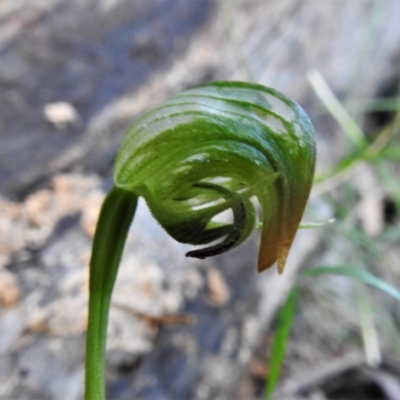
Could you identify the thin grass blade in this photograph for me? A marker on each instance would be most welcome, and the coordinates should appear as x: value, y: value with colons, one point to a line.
x: 285, y: 320
x: 357, y: 274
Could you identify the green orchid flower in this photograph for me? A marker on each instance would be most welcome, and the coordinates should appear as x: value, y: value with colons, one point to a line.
x: 221, y: 146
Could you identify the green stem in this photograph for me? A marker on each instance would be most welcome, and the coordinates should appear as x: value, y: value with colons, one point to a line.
x: 115, y: 218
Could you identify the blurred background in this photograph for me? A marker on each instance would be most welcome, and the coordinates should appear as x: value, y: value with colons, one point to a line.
x: 73, y: 76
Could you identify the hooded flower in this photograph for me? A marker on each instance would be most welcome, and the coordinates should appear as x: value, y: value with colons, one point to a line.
x: 224, y: 145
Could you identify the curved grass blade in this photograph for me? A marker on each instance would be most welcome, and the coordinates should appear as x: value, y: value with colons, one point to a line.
x: 359, y: 275
x: 285, y: 320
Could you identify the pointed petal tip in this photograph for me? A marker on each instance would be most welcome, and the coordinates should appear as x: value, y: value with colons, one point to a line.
x: 282, y: 257
x: 281, y: 268
x: 280, y: 261
x: 264, y: 264
x: 263, y: 267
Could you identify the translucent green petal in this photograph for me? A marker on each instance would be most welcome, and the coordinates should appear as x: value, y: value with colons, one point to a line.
x: 249, y: 140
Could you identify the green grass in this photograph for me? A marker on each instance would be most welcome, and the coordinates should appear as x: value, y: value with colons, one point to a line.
x: 281, y: 337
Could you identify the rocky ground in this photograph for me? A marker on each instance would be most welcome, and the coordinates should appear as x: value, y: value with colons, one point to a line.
x: 73, y: 76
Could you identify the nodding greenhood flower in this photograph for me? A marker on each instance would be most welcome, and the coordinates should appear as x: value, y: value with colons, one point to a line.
x: 213, y: 148
x: 216, y: 147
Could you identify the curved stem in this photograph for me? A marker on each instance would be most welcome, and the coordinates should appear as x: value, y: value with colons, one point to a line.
x: 115, y: 218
